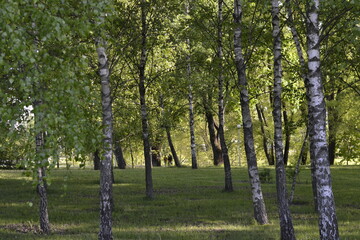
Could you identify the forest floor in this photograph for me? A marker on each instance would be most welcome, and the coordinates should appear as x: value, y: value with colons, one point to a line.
x: 189, y: 204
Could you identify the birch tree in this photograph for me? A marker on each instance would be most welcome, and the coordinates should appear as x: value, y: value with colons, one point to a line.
x: 328, y: 226
x: 106, y: 197
x: 224, y: 149
x: 286, y: 226
x: 257, y: 196
x: 144, y: 113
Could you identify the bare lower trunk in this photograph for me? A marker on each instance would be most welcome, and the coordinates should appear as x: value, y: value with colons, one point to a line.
x: 119, y: 156
x: 287, y: 129
x: 286, y: 226
x: 96, y: 159
x: 224, y: 149
x: 267, y: 144
x: 257, y: 196
x: 142, y: 92
x: 317, y: 122
x: 41, y: 182
x: 106, y: 177
x: 172, y: 148
x: 297, y: 166
x: 213, y: 137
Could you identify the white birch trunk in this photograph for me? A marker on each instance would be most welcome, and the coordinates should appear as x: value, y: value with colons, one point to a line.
x: 318, y: 143
x: 106, y: 197
x: 191, y: 105
x: 286, y: 226
x: 257, y: 196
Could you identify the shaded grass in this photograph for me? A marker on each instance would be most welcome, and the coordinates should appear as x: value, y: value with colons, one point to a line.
x: 189, y: 204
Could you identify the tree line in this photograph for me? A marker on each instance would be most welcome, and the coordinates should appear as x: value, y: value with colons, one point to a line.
x: 160, y: 65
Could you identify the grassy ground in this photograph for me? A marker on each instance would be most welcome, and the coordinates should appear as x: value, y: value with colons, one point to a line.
x: 189, y: 204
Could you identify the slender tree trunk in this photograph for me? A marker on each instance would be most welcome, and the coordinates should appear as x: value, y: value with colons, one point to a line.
x: 41, y: 185
x: 172, y: 148
x: 333, y: 119
x: 120, y: 160
x: 328, y: 226
x: 214, y: 139
x: 96, y: 159
x: 287, y: 129
x: 286, y: 226
x: 142, y: 92
x: 257, y: 196
x: 194, y: 164
x: 225, y: 155
x: 106, y: 178
x: 266, y: 145
x: 297, y: 166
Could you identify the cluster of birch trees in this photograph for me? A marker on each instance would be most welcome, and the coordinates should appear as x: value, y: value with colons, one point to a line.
x: 162, y: 64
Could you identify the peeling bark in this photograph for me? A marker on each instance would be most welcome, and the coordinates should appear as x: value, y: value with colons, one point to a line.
x: 257, y: 196
x: 328, y: 226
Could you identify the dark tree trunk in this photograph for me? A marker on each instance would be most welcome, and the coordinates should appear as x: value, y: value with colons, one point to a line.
x: 120, y: 160
x: 287, y: 129
x: 96, y: 159
x: 172, y: 148
x: 328, y: 226
x: 333, y: 119
x: 214, y: 138
x: 257, y: 196
x: 286, y: 226
x: 106, y: 173
x: 267, y: 144
x: 221, y: 104
x: 142, y: 92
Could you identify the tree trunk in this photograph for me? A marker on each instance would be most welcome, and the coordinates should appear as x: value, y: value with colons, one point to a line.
x: 286, y: 226
x: 214, y: 139
x: 120, y: 160
x: 96, y: 159
x: 267, y: 144
x: 172, y: 148
x: 41, y: 185
x: 302, y: 151
x: 106, y: 178
x: 317, y: 120
x: 257, y: 196
x: 333, y: 119
x: 191, y: 107
x: 225, y: 155
x: 142, y: 92
x: 287, y: 129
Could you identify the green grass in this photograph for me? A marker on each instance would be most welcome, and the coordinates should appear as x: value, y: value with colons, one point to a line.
x: 188, y: 204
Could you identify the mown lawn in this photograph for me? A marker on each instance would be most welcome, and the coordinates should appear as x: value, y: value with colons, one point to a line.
x: 189, y: 204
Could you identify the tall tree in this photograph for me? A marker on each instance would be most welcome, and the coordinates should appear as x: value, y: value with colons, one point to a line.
x: 257, y: 196
x: 224, y: 149
x: 317, y: 119
x: 142, y: 92
x: 286, y: 226
x: 106, y: 181
x: 194, y: 163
